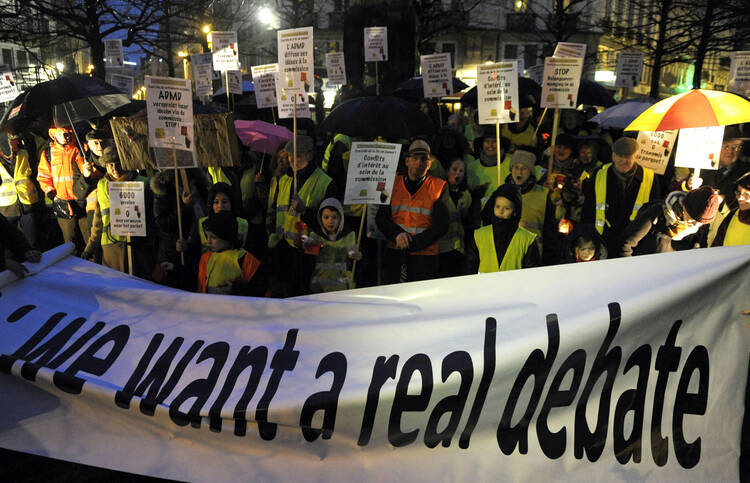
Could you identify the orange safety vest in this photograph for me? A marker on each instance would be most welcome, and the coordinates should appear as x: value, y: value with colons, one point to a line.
x: 225, y: 267
x: 413, y: 213
x: 57, y: 174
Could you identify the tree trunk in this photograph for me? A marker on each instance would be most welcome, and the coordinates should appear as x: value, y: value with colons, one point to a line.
x: 700, y: 54
x: 97, y: 58
x: 666, y: 6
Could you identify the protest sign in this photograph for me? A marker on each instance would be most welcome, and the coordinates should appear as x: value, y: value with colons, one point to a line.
x: 624, y: 380
x: 629, y: 68
x: 169, y: 105
x: 335, y: 68
x: 264, y: 80
x: 127, y: 208
x: 497, y: 92
x: 376, y: 44
x: 113, y: 53
x: 372, y: 168
x: 699, y: 147
x: 562, y: 77
x: 570, y: 49
x: 202, y: 73
x: 291, y: 98
x: 225, y: 51
x: 654, y: 148
x: 122, y: 82
x: 739, y: 70
x: 437, y: 79
x: 8, y: 89
x: 234, y: 79
x: 536, y: 73
x: 295, y: 47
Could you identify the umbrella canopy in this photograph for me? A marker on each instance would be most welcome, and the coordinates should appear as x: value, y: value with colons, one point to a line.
x: 697, y: 108
x: 414, y: 87
x: 529, y: 93
x: 370, y: 117
x: 247, y: 86
x: 261, y: 136
x: 594, y: 94
x: 622, y: 114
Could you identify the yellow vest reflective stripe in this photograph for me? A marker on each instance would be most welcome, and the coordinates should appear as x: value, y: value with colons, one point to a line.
x: 413, y: 213
x: 242, y: 228
x: 8, y: 194
x: 19, y: 186
x: 331, y: 265
x: 454, y: 239
x: 738, y: 233
x: 218, y: 176
x: 102, y: 197
x: 311, y: 193
x: 513, y: 258
x: 533, y: 211
x: 600, y: 191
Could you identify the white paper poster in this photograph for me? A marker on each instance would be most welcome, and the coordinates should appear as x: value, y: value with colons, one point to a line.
x: 372, y: 169
x: 335, y: 68
x: 570, y: 49
x: 203, y: 73
x: 654, y: 149
x: 8, y: 89
x: 264, y: 81
x: 127, y: 208
x: 295, y: 47
x: 699, y: 147
x: 562, y: 76
x: 740, y: 69
x: 497, y: 92
x: 376, y: 44
x: 291, y: 98
x: 169, y: 104
x: 234, y: 79
x: 113, y: 52
x: 122, y: 82
x: 437, y: 77
x: 225, y: 51
x: 629, y: 68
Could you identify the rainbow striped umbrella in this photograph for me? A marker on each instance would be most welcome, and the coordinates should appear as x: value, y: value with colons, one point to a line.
x: 697, y: 108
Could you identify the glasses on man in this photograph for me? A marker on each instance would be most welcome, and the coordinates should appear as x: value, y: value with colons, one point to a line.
x: 732, y: 148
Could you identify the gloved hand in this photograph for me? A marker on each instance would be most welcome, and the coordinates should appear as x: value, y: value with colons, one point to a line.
x: 92, y: 252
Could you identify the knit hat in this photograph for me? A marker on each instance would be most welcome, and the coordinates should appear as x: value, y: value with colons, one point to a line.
x: 510, y: 192
x: 565, y: 139
x: 743, y: 181
x: 99, y: 134
x: 305, y: 144
x: 625, y: 147
x: 702, y: 204
x: 525, y: 158
x: 222, y: 224
x: 419, y: 146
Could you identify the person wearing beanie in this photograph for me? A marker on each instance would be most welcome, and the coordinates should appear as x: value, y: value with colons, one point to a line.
x: 679, y: 222
x: 503, y: 245
x: 226, y: 268
x: 734, y: 229
x: 613, y: 196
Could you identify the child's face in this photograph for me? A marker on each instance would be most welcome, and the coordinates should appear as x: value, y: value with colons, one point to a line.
x: 585, y: 251
x: 330, y: 220
x: 221, y: 203
x: 456, y: 172
x: 216, y: 244
x: 503, y: 208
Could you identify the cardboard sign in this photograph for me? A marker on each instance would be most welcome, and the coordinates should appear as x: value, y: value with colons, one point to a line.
x: 569, y: 49
x: 113, y: 52
x: 497, y: 92
x: 203, y: 73
x: 654, y: 148
x: 437, y: 78
x: 562, y: 77
x: 127, y: 208
x: 335, y: 68
x: 372, y: 169
x: 376, y: 44
x: 264, y: 80
x: 699, y: 147
x: 629, y: 68
x: 225, y: 51
x: 169, y: 104
x: 234, y: 79
x: 739, y: 71
x: 122, y: 82
x: 8, y: 89
x: 295, y: 47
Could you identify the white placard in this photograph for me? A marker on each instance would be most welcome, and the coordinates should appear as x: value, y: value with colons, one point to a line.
x: 203, y: 73
x: 739, y: 70
x: 225, y: 49
x: 169, y: 104
x: 123, y: 82
x: 234, y: 79
x: 372, y: 169
x: 497, y: 92
x: 629, y: 68
x: 562, y: 76
x: 536, y: 73
x: 335, y: 67
x: 285, y: 97
x: 437, y: 79
x: 654, y: 148
x: 264, y: 81
x: 127, y: 208
x: 699, y: 147
x: 570, y: 49
x: 295, y: 47
x: 8, y: 89
x: 113, y: 52
x: 376, y: 44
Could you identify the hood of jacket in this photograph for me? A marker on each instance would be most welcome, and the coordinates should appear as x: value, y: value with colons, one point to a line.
x: 335, y: 204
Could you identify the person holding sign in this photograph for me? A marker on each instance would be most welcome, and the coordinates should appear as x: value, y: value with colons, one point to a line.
x: 734, y: 229
x: 731, y: 167
x: 521, y: 133
x: 19, y: 198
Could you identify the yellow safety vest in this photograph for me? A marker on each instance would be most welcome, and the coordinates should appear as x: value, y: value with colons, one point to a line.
x: 490, y: 173
x: 454, y: 239
x: 738, y: 233
x: 513, y: 258
x: 600, y: 190
x: 223, y: 267
x: 102, y: 197
x: 331, y: 265
x: 311, y: 193
x: 343, y: 138
x: 19, y: 186
x: 218, y: 175
x: 242, y: 229
x: 523, y: 138
x: 533, y: 212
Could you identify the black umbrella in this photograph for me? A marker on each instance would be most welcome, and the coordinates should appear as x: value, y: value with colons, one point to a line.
x: 591, y: 93
x: 529, y: 93
x: 414, y: 87
x: 370, y: 117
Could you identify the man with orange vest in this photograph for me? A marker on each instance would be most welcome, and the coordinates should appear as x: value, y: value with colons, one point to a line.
x: 415, y: 220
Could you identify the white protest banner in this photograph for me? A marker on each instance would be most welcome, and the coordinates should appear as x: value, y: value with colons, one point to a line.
x: 629, y: 68
x: 654, y: 148
x: 286, y: 97
x: 497, y: 92
x: 234, y: 79
x: 203, y: 73
x: 169, y: 105
x: 127, y: 208
x: 372, y: 168
x: 639, y: 377
x: 570, y: 49
x: 335, y: 68
x: 562, y: 76
x: 699, y: 147
x: 437, y: 79
x: 8, y: 89
x: 739, y: 70
x: 376, y: 44
x: 536, y: 73
x: 264, y: 80
x: 113, y: 53
x: 295, y: 47
x: 225, y: 51
x: 123, y: 82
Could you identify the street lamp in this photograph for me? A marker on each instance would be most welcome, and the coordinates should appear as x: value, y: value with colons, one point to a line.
x: 206, y: 29
x: 267, y: 17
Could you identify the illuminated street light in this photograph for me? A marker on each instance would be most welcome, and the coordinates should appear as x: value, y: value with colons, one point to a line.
x: 206, y: 29
x: 182, y: 54
x: 265, y: 16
